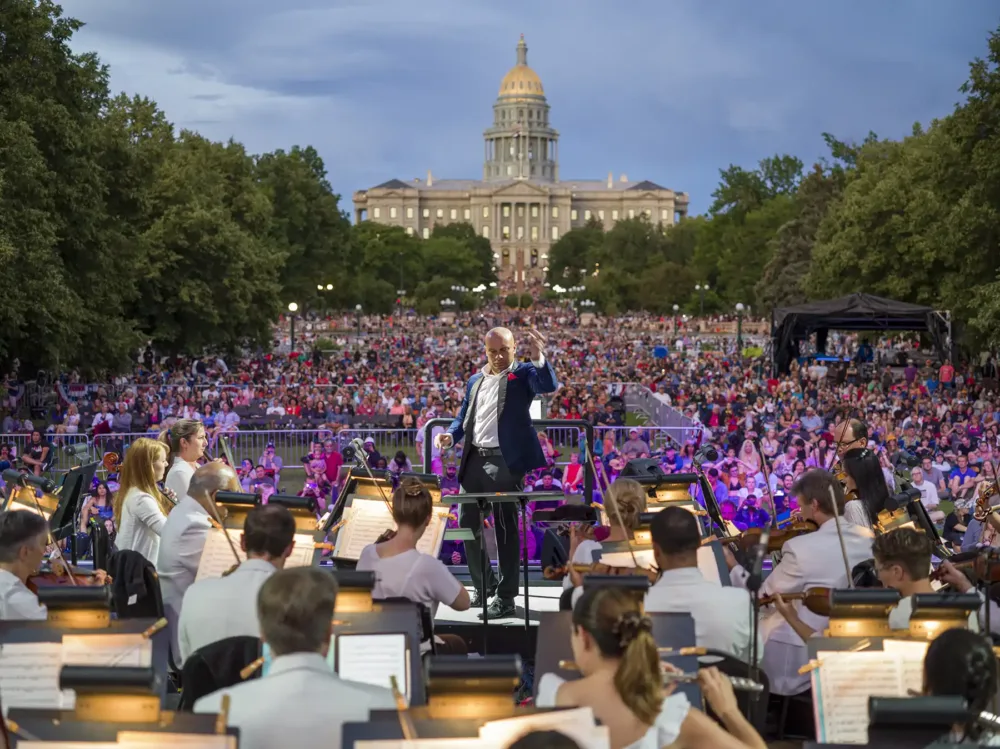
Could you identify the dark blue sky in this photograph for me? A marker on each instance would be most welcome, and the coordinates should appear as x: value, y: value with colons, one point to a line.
x: 665, y: 91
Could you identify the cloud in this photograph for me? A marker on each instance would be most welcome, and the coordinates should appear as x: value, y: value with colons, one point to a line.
x: 665, y: 91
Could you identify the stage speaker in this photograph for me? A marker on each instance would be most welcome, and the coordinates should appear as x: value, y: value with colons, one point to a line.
x: 642, y: 468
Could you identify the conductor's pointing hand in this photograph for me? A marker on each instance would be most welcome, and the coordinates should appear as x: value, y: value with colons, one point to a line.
x: 536, y: 344
x: 443, y: 441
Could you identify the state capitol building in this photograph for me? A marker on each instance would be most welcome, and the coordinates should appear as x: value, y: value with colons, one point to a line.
x: 521, y: 204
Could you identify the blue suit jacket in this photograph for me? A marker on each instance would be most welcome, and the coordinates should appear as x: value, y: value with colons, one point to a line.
x: 518, y: 438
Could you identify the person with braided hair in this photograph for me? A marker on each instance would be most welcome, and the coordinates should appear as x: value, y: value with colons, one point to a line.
x: 962, y: 663
x: 622, y: 682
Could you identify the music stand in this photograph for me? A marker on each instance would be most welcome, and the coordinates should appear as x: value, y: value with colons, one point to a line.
x: 481, y: 499
x: 63, y: 520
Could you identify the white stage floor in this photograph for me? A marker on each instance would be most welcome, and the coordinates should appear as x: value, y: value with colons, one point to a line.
x: 540, y: 598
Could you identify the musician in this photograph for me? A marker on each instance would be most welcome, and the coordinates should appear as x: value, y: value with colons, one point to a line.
x: 501, y: 448
x: 622, y: 683
x: 403, y: 572
x: 23, y: 539
x: 301, y: 702
x: 808, y: 561
x: 903, y: 561
x: 864, y: 478
x: 961, y: 663
x: 627, y: 499
x: 186, y: 440
x: 215, y: 609
x: 682, y: 587
x: 140, y: 508
x: 184, y: 535
x: 850, y: 434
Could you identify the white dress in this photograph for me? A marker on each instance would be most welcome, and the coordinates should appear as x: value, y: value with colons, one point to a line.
x: 663, y: 732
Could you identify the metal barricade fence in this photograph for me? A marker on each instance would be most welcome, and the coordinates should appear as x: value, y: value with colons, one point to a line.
x: 388, y: 442
x: 60, y: 461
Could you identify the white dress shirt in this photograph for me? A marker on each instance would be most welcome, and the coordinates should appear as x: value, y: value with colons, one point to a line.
x: 17, y: 603
x: 300, y: 704
x: 217, y: 608
x: 182, y: 542
x: 899, y: 617
x: 142, y: 523
x: 179, y: 477
x: 722, y: 615
x: 812, y: 560
x: 485, y: 429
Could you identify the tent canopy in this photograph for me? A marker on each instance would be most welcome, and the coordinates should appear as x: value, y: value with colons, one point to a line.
x: 790, y: 325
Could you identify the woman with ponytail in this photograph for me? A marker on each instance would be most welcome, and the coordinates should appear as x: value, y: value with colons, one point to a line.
x: 960, y: 663
x: 140, y: 508
x: 186, y: 442
x: 622, y: 683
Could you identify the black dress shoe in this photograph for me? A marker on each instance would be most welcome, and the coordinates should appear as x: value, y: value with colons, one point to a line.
x: 477, y: 598
x: 500, y: 609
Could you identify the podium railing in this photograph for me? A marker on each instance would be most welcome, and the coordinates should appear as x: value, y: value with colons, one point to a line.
x: 586, y: 426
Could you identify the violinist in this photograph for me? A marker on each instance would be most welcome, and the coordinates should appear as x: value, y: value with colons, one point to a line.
x: 849, y: 435
x: 813, y: 560
x: 864, y: 482
x: 682, y: 588
x: 23, y: 538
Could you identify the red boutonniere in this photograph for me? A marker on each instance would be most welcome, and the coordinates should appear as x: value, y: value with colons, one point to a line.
x: 511, y: 376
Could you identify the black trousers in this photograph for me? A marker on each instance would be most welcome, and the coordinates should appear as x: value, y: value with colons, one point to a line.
x: 490, y: 474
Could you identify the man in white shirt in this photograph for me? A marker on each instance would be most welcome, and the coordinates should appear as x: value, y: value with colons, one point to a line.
x: 300, y: 703
x: 215, y: 609
x: 812, y: 560
x: 23, y: 537
x: 928, y: 494
x: 722, y: 615
x: 184, y: 534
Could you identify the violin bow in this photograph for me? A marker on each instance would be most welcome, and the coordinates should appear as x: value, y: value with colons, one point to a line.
x: 767, y: 481
x: 215, y: 516
x: 609, y: 497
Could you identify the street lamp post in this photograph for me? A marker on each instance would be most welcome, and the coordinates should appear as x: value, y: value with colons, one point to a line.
x: 701, y: 288
x: 292, y: 309
x: 400, y: 293
x: 739, y: 328
x: 676, y: 309
x: 357, y: 314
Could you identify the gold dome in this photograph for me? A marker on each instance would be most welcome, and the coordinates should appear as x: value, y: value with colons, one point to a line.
x: 520, y: 79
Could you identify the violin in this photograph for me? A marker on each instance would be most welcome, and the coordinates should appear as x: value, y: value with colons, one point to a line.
x: 598, y: 568
x: 53, y: 576
x: 775, y: 540
x: 974, y: 562
x: 817, y: 600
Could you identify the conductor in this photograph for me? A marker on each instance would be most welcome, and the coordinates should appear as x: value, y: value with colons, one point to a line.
x: 501, y: 447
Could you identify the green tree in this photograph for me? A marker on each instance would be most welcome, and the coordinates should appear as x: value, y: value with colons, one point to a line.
x: 571, y: 257
x: 476, y: 245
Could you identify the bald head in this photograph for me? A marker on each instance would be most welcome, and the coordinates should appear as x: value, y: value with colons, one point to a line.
x: 499, y: 349
x: 849, y: 435
x: 212, y: 478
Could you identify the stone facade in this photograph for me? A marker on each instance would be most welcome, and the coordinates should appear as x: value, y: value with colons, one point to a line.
x: 521, y: 205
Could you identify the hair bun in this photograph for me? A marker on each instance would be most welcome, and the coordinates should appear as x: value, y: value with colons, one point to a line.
x: 629, y: 625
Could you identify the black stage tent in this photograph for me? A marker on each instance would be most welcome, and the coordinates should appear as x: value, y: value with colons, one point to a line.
x: 791, y: 325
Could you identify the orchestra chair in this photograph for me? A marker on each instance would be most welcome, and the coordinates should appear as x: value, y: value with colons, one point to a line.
x: 426, y: 622
x: 755, y: 711
x: 217, y: 666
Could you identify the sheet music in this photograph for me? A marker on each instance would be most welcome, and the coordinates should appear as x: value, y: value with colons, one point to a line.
x: 708, y: 565
x: 430, y: 542
x: 149, y: 740
x: 578, y: 724
x: 842, y: 686
x: 217, y: 557
x: 373, y: 659
x: 302, y: 552
x: 107, y: 650
x: 367, y: 520
x: 912, y: 654
x: 29, y: 675
x: 643, y: 558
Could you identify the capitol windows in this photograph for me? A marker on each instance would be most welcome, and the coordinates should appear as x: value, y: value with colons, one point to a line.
x: 486, y: 231
x: 467, y: 214
x: 631, y: 213
x: 426, y: 233
x: 427, y: 213
x: 586, y: 215
x: 534, y: 258
x: 409, y: 231
x: 555, y: 232
x: 506, y: 211
x: 510, y: 170
x: 506, y: 232
x: 600, y: 215
x: 409, y: 213
x: 376, y: 212
x: 486, y: 211
x: 506, y: 257
x: 572, y: 215
x: 534, y: 232
x: 664, y: 214
x: 555, y: 211
x: 440, y: 213
x: 534, y: 211
x: 520, y: 232
x: 454, y: 214
x: 392, y: 212
x: 614, y: 215
x: 647, y: 213
x: 520, y: 210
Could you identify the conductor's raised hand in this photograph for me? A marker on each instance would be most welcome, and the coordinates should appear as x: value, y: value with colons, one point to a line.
x: 536, y: 344
x: 443, y: 441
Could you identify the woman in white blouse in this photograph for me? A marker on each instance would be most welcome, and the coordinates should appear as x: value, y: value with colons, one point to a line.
x: 140, y: 508
x: 185, y: 441
x: 622, y: 683
x: 403, y: 571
